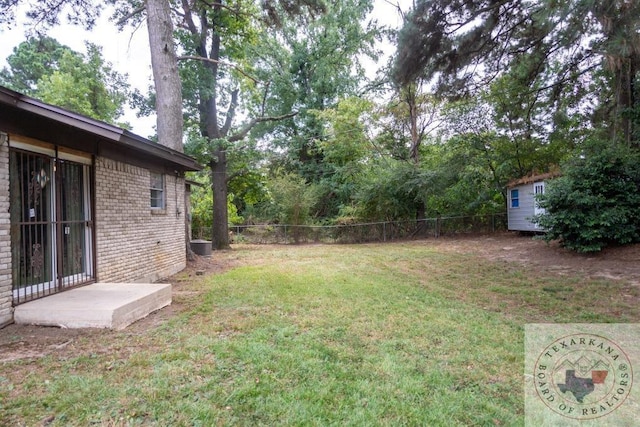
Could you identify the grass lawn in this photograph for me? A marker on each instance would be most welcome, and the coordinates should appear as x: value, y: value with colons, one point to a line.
x: 393, y: 334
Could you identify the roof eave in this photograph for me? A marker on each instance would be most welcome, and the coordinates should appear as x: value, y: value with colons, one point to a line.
x: 141, y: 144
x: 103, y: 130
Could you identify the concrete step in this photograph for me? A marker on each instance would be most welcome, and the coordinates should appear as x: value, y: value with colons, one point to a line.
x: 100, y: 305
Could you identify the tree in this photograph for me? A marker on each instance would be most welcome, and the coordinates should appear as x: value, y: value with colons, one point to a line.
x: 408, y: 119
x: 30, y: 61
x: 214, y: 37
x: 346, y: 149
x: 165, y: 75
x: 595, y: 203
x: 472, y: 169
x: 43, y: 68
x: 211, y: 33
x: 293, y: 200
x: 392, y: 189
x: 46, y: 13
x: 556, y: 45
x: 230, y: 60
x: 413, y: 116
x: 317, y: 64
x: 202, y: 200
x: 313, y: 64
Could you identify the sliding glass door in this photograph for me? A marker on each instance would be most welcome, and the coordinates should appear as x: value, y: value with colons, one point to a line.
x: 51, y: 226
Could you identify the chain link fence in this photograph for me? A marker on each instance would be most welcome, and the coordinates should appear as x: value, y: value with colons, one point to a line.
x: 362, y: 233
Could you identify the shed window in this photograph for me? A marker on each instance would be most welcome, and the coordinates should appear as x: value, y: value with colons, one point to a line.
x: 157, y: 190
x: 515, y: 199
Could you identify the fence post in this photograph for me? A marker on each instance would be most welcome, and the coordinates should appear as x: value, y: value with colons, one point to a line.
x: 285, y: 235
x: 384, y: 231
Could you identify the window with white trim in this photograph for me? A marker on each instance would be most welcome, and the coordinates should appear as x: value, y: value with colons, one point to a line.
x: 157, y: 190
x: 515, y: 199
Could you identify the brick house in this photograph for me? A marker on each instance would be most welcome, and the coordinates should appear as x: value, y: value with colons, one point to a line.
x: 82, y: 201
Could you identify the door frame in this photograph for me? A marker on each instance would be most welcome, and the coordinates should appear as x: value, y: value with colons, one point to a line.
x: 58, y: 282
x: 538, y: 188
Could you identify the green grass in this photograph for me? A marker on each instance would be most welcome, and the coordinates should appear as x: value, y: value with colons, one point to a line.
x: 396, y: 334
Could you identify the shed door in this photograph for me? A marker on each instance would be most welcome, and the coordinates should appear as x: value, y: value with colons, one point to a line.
x: 51, y: 226
x: 538, y: 189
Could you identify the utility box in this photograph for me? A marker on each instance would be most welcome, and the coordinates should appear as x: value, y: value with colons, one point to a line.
x: 201, y: 247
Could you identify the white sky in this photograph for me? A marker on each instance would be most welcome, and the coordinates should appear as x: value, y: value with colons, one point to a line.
x: 128, y: 51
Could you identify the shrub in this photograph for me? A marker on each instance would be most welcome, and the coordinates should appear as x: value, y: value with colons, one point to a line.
x: 595, y: 203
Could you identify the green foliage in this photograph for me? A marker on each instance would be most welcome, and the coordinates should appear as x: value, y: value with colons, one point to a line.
x: 595, y: 203
x: 470, y: 175
x: 46, y: 13
x: 202, y: 206
x: 292, y: 199
x: 236, y: 31
x: 312, y: 63
x: 30, y: 62
x: 456, y: 177
x: 345, y: 148
x: 216, y: 82
x: 347, y: 138
x: 45, y: 69
x: 551, y: 52
x: 536, y: 132
x: 392, y: 190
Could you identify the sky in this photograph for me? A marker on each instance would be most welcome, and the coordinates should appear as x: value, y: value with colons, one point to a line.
x: 128, y: 51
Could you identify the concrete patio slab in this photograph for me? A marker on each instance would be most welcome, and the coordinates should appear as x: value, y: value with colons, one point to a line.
x: 100, y: 305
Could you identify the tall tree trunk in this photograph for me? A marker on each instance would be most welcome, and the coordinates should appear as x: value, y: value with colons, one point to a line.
x: 411, y: 98
x: 220, y: 228
x: 213, y: 130
x: 209, y: 44
x: 625, y: 96
x: 164, y: 64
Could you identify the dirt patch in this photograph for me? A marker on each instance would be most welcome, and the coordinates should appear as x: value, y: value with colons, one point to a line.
x: 616, y: 263
x: 19, y: 342
x: 30, y: 342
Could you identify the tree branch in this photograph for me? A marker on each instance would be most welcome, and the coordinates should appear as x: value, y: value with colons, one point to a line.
x: 398, y: 9
x: 237, y: 173
x: 231, y: 112
x: 264, y: 98
x: 216, y: 61
x: 188, y: 19
x: 130, y: 15
x: 247, y: 127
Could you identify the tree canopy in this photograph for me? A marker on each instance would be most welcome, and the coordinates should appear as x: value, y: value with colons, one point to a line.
x: 43, y: 68
x: 278, y: 106
x: 553, y: 49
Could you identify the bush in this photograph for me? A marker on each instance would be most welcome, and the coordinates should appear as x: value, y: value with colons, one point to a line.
x: 595, y: 203
x: 202, y: 208
x: 291, y: 202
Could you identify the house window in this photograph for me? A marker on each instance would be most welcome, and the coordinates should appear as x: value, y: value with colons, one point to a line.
x: 157, y: 190
x: 515, y: 199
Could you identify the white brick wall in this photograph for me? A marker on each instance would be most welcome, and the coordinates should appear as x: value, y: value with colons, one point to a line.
x: 6, y: 310
x: 134, y: 243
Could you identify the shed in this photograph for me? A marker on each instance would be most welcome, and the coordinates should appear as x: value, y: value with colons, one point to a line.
x: 83, y: 201
x: 521, y: 203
